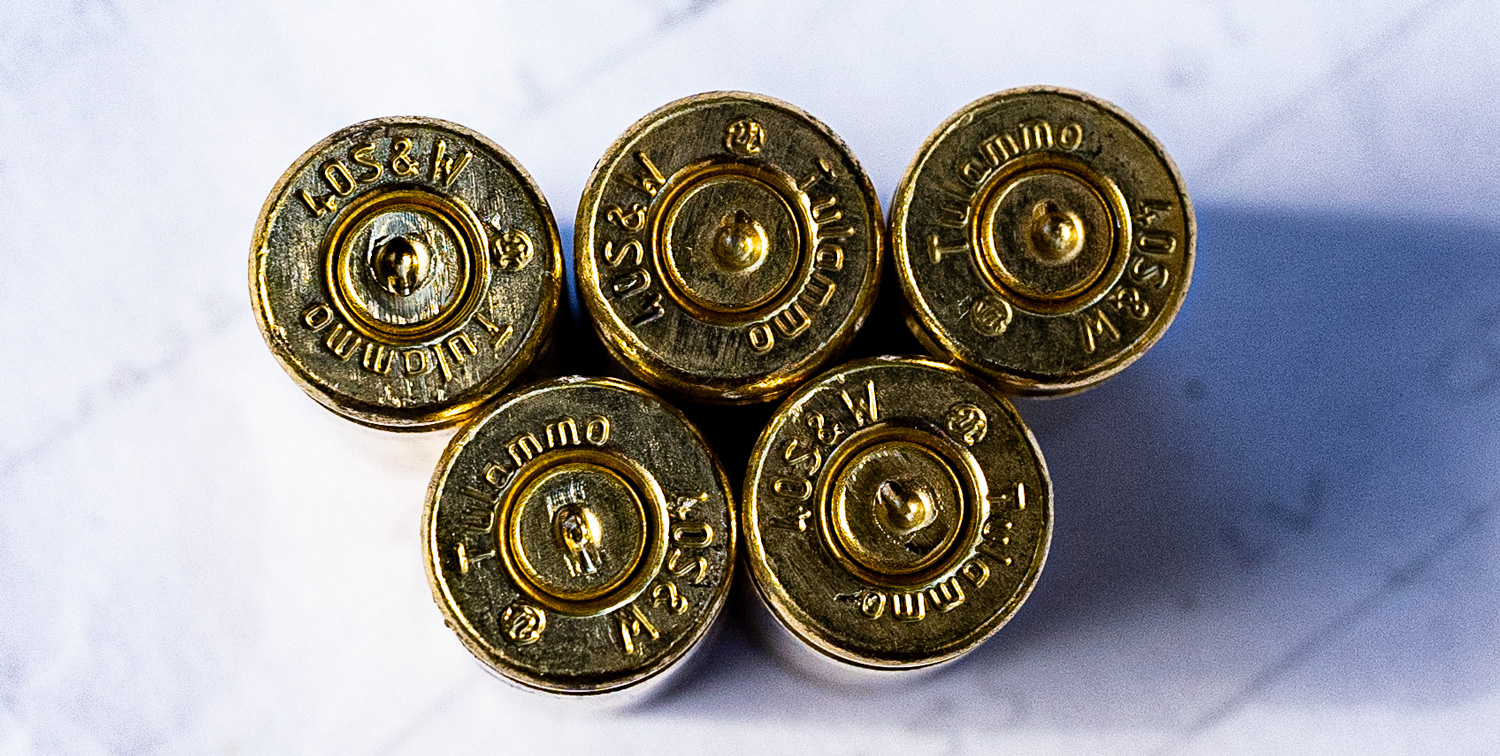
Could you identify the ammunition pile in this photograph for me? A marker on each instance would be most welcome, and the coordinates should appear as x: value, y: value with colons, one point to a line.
x: 580, y: 534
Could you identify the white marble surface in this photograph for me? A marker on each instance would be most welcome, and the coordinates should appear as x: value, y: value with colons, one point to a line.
x: 1276, y: 533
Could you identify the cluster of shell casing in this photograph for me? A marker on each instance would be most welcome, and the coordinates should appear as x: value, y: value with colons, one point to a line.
x: 580, y: 534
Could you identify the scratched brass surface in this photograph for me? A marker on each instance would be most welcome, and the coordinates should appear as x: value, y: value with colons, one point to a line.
x: 728, y: 244
x: 1044, y: 238
x: 896, y: 513
x: 579, y: 536
x: 404, y: 270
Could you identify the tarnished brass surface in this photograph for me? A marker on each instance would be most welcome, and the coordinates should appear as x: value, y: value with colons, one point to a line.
x: 728, y: 244
x: 896, y: 513
x: 579, y: 536
x: 404, y: 270
x: 1043, y: 238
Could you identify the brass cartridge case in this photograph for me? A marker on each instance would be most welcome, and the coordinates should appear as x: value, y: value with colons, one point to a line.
x: 1043, y: 238
x: 579, y: 536
x: 405, y: 270
x: 728, y: 245
x: 896, y: 513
